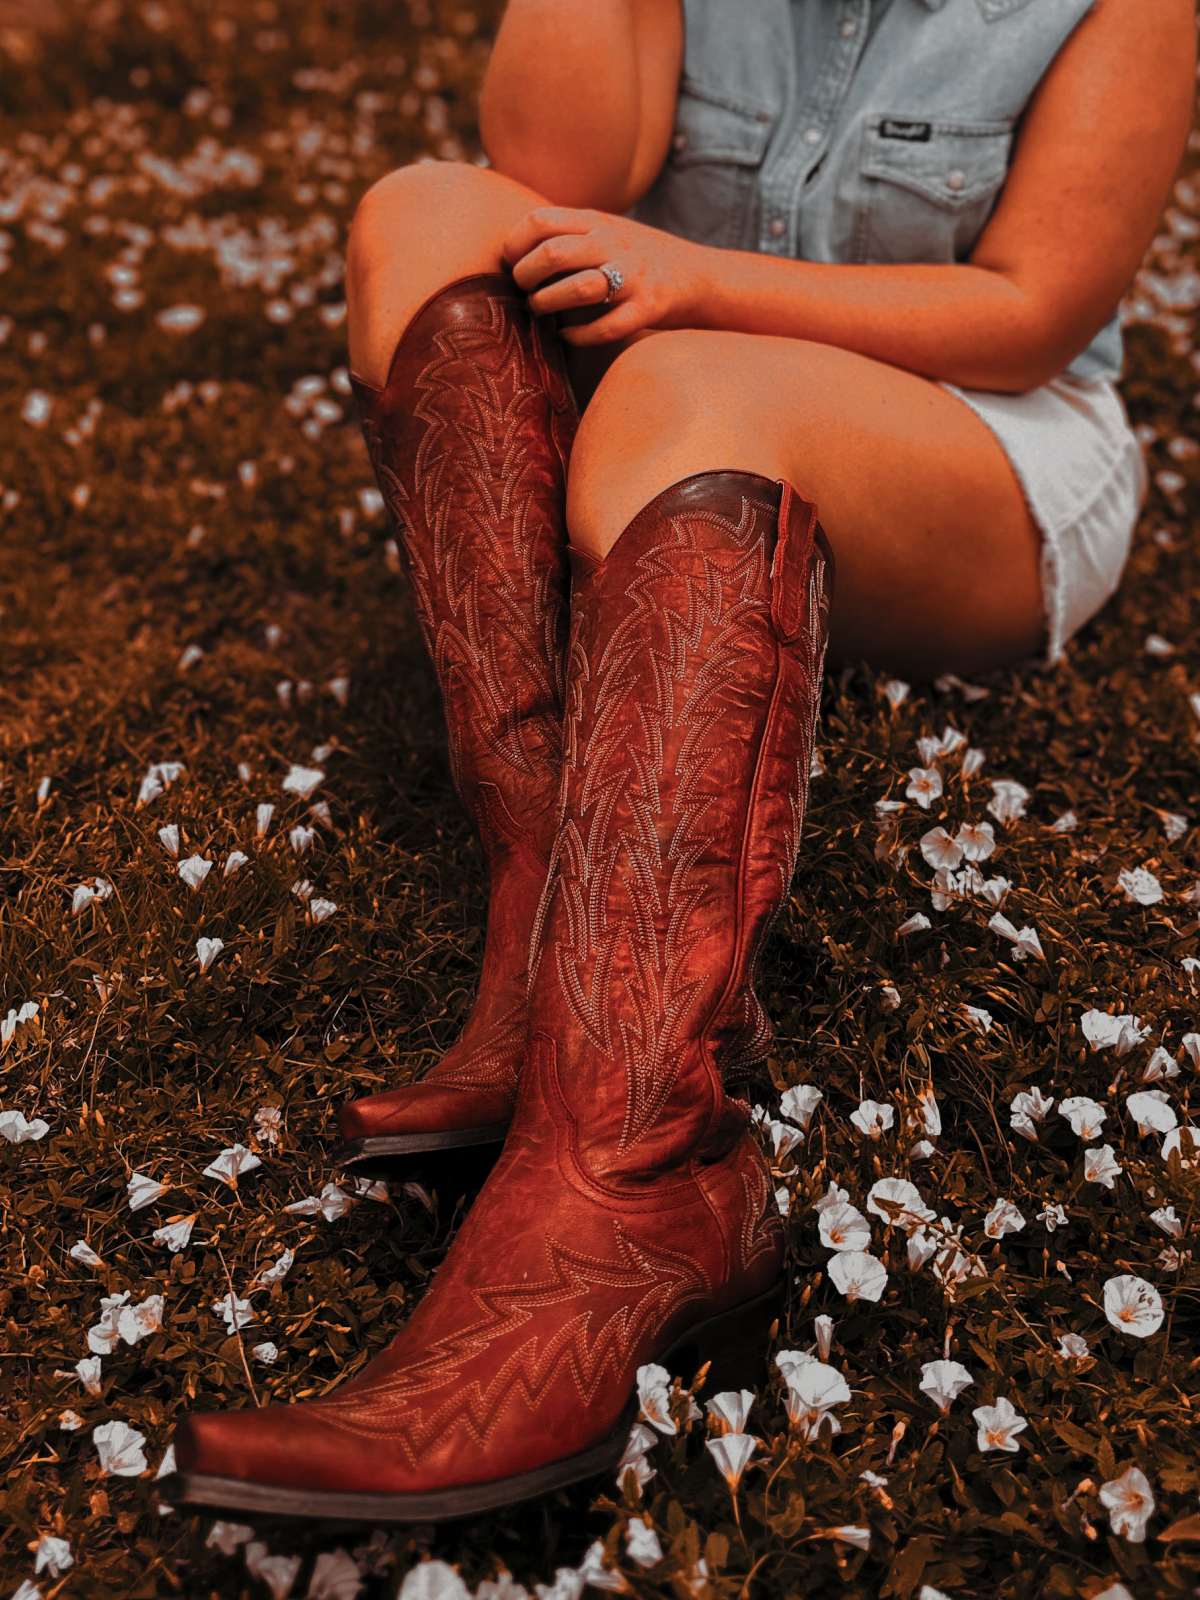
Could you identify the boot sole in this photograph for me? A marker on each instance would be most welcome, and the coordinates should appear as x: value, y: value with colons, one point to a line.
x: 734, y: 1342
x: 387, y: 1155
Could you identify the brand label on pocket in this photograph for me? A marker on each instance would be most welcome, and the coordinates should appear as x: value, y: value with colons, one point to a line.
x: 913, y: 132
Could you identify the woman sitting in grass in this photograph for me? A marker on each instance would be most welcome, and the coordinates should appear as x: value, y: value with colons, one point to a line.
x: 734, y: 260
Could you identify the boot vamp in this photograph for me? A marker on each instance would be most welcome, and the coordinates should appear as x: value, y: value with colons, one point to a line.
x: 525, y: 1349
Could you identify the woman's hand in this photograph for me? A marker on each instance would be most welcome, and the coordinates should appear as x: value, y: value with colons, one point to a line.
x: 662, y: 273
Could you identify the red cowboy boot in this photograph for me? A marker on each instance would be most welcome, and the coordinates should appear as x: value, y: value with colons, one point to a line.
x: 630, y: 1218
x: 469, y: 441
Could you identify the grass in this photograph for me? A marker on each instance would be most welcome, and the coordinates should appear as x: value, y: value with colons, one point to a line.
x: 139, y: 1062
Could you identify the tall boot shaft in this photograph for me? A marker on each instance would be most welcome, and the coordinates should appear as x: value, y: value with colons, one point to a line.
x: 469, y: 440
x: 693, y: 692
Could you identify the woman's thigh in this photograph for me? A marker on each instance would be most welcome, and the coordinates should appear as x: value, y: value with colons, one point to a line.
x: 937, y: 556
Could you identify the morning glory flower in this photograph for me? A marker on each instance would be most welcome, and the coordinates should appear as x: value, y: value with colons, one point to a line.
x: 943, y: 1382
x: 1129, y: 1501
x: 1085, y: 1116
x: 924, y: 786
x: 1001, y: 1219
x: 844, y: 1228
x: 1133, y: 1306
x: 873, y: 1118
x: 1101, y: 1166
x: 1152, y: 1110
x: 857, y: 1275
x: 999, y: 1426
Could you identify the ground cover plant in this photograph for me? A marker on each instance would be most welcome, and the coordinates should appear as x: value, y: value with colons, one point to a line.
x: 235, y: 891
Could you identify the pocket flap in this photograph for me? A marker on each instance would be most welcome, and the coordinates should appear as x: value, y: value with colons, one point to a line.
x: 954, y: 164
x: 710, y: 126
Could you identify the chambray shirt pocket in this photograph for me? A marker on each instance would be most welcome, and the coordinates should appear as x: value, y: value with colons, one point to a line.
x: 710, y: 180
x: 925, y: 188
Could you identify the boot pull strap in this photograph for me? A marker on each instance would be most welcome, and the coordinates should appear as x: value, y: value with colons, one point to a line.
x: 791, y: 562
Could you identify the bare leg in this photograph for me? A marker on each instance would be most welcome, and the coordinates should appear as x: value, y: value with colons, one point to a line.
x: 937, y: 555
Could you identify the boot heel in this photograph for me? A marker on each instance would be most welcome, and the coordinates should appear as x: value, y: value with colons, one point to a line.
x: 735, y: 1343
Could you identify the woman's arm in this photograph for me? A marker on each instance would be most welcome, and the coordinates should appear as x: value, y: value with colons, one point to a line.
x: 1095, y: 158
x: 579, y: 97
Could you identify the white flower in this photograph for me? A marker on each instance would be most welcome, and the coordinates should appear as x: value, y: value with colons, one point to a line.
x: 16, y: 1130
x: 844, y: 1228
x: 82, y: 898
x: 1152, y: 1111
x: 833, y: 1196
x: 339, y: 688
x: 180, y: 318
x: 1025, y: 941
x: 1085, y: 1116
x: 1155, y: 645
x: 654, y: 1385
x: 143, y: 1191
x: 170, y: 838
x: 70, y: 1422
x: 944, y: 1381
x: 591, y: 1569
x: 333, y: 1203
x: 1191, y: 1043
x: 857, y: 1275
x: 302, y: 781
x: 800, y: 1103
x: 939, y: 849
x: 999, y: 1426
x: 53, y: 1556
x: 191, y: 654
x: 995, y: 892
x: 976, y: 840
x: 235, y: 859
x: 641, y: 1440
x: 1129, y: 1500
x: 227, y: 1537
x: 320, y: 910
x: 1173, y: 1259
x: 279, y: 1572
x: 268, y: 1120
x: 813, y: 1390
x: 231, y: 1163
x: 979, y: 1019
x: 783, y: 1201
x: 730, y: 1409
x: 35, y: 408
x: 266, y: 1352
x: 140, y: 1321
x: 1001, y: 1219
x: 1102, y: 1031
x: 82, y: 1251
x: 1133, y: 1306
x: 1101, y: 1166
x: 784, y: 1137
x: 850, y: 1533
x: 921, y: 1151
x: 732, y: 1454
x: 301, y: 837
x: 88, y: 1373
x: 237, y: 1313
x: 1160, y: 1065
x: 262, y: 818
x: 1174, y: 824
x: 972, y: 761
x: 194, y: 870
x: 105, y: 1336
x: 1027, y: 1110
x: 641, y: 1543
x: 873, y: 1118
x: 1067, y: 823
x: 790, y: 1362
x: 823, y: 1327
x: 917, y: 923
x: 1140, y: 886
x: 1115, y: 1591
x: 1174, y: 1142
x: 889, y: 997
x: 1054, y: 1216
x: 283, y: 692
x: 207, y: 951
x: 1074, y: 1346
x: 175, y: 1235
x: 924, y: 786
x: 120, y: 1449
x: 280, y: 1270
x: 896, y: 691
x: 898, y: 1201
x: 1008, y: 800
x: 1166, y: 1219
x: 335, y: 1577
x: 931, y: 1115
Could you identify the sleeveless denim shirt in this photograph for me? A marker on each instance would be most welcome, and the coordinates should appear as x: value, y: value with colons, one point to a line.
x: 897, y: 151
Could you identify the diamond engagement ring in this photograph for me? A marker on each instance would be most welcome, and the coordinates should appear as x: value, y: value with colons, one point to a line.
x: 616, y: 280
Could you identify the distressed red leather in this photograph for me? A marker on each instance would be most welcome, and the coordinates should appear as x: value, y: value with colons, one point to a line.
x: 469, y: 440
x: 631, y: 1201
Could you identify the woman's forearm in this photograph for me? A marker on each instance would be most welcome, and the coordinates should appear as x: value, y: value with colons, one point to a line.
x: 956, y: 323
x: 560, y: 106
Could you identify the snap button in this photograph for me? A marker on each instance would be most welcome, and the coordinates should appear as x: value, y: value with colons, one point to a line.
x: 679, y: 142
x: 812, y: 135
x: 777, y: 227
x: 849, y: 29
x: 956, y: 180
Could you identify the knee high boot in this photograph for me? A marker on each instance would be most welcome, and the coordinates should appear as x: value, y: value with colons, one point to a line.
x: 630, y: 1218
x: 469, y: 440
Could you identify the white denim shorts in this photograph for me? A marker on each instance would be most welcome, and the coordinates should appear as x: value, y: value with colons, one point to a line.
x: 1081, y: 469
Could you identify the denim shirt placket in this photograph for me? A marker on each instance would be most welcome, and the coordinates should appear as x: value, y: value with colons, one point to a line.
x: 783, y: 181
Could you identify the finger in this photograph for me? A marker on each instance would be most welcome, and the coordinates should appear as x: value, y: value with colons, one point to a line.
x: 542, y: 223
x: 615, y: 324
x: 587, y: 288
x: 563, y: 252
